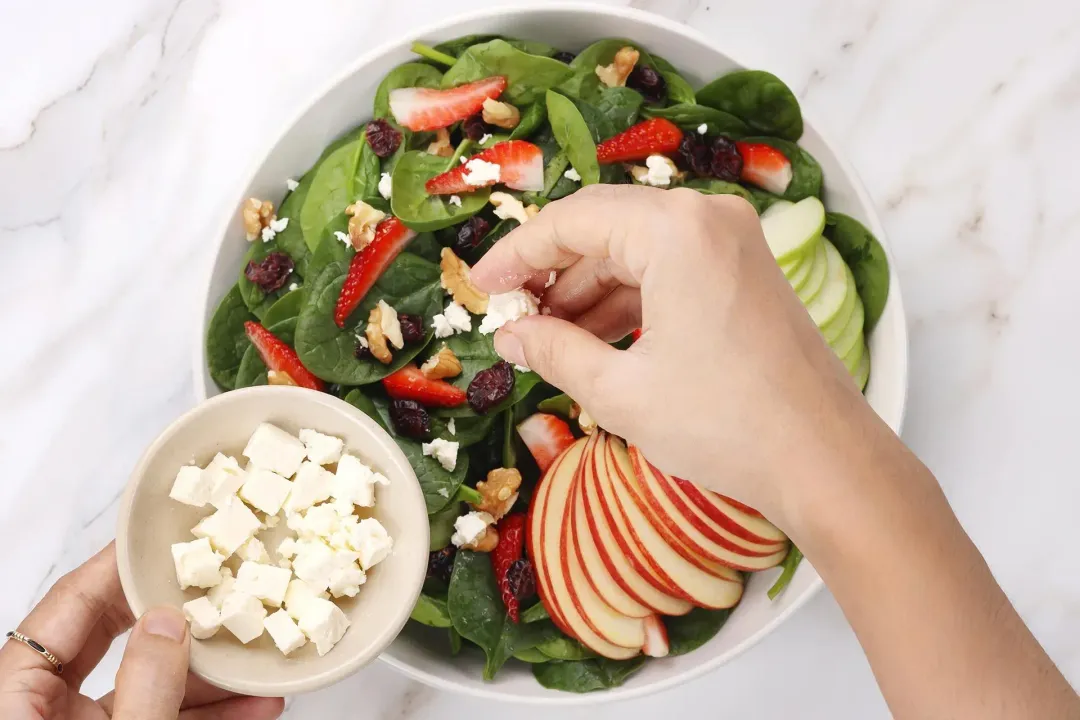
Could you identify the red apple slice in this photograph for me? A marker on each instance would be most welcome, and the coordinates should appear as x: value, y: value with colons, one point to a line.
x: 619, y: 550
x: 656, y: 640
x: 534, y: 541
x: 725, y: 510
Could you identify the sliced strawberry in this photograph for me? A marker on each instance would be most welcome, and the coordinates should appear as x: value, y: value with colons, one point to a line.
x: 546, y: 436
x: 765, y: 167
x: 636, y: 335
x: 422, y: 109
x: 409, y: 383
x: 656, y: 639
x: 391, y: 237
x: 521, y: 167
x: 649, y: 137
x: 279, y: 357
x: 507, y: 552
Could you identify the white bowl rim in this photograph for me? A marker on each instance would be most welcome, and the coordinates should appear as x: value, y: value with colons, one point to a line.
x: 434, y: 29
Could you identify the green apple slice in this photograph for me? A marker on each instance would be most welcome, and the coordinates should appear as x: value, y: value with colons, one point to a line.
x: 776, y: 208
x: 827, y: 304
x: 853, y: 331
x: 862, y: 372
x: 818, y: 269
x: 835, y: 327
x: 852, y: 359
x: 800, y: 274
x: 790, y: 231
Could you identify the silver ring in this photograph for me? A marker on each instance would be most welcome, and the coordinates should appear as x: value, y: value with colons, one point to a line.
x: 39, y: 649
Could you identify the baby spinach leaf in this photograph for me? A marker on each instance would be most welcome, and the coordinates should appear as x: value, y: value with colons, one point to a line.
x: 535, y: 614
x: 531, y: 656
x: 760, y: 99
x: 431, y: 611
x: 678, y: 89
x: 528, y: 76
x: 762, y: 199
x: 368, y: 170
x: 621, y: 106
x: 333, y: 185
x: 564, y: 648
x: 600, y: 125
x: 690, y: 631
x: 226, y: 340
x: 586, y: 675
x: 573, y: 136
x: 553, y: 171
x: 791, y: 563
x: 806, y: 175
x: 864, y: 255
x: 561, y: 405
x: 689, y: 116
x: 708, y: 186
x: 533, y: 117
x: 441, y: 524
x: 253, y: 370
x: 459, y: 45
x: 287, y: 307
x: 412, y: 204
x: 455, y: 641
x: 412, y: 74
x: 476, y: 352
x: 253, y: 296
x: 291, y: 239
x: 330, y: 248
x: 602, y: 52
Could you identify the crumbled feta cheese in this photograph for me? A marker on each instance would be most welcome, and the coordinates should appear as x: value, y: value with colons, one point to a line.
x: 243, y: 616
x: 191, y: 487
x: 362, y: 341
x: 463, y: 159
x: 508, y: 207
x: 298, y: 595
x: 453, y: 319
x: 272, y: 448
x: 469, y: 527
x: 312, y: 485
x: 455, y: 200
x: 291, y: 184
x: 229, y: 527
x: 344, y: 509
x: 485, y: 138
x: 321, y: 449
x: 324, y: 623
x: 314, y: 564
x: 279, y: 224
x: 285, y: 633
x: 343, y: 237
x: 371, y: 541
x: 451, y: 427
x: 253, y: 550
x: 197, y: 565
x: 386, y: 186
x: 522, y: 368
x: 702, y: 129
x: 659, y: 171
x: 318, y: 522
x: 268, y: 234
x: 444, y: 492
x: 552, y: 278
x: 217, y: 594
x: 355, y: 482
x: 265, y: 490
x: 203, y: 618
x: 346, y: 581
x: 444, y: 451
x: 224, y: 477
x: 390, y: 325
x: 266, y: 582
x: 572, y: 174
x: 287, y: 547
x: 480, y: 172
x: 271, y: 521
x: 504, y: 307
x: 293, y: 286
x: 284, y: 563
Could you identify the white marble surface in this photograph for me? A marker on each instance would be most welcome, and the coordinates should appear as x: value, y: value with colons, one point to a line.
x: 122, y: 123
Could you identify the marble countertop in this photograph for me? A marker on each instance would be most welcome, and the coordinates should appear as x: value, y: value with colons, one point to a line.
x: 124, y: 122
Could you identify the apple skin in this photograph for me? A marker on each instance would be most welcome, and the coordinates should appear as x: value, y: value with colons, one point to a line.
x: 721, y: 509
x: 534, y: 541
x: 656, y: 638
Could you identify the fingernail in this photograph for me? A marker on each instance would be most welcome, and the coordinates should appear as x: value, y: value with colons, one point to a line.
x: 509, y: 347
x: 166, y: 622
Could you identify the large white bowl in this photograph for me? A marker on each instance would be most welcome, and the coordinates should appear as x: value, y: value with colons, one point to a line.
x: 346, y: 102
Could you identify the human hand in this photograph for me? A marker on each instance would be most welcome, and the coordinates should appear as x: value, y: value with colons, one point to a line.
x: 77, y: 621
x: 730, y: 384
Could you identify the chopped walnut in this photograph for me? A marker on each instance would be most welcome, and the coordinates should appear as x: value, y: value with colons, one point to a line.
x: 508, y: 206
x: 278, y: 377
x: 362, y: 222
x: 615, y: 74
x: 501, y: 114
x: 532, y: 211
x: 441, y: 145
x: 443, y: 364
x: 256, y: 214
x: 456, y: 281
x: 500, y: 491
x: 383, y: 327
x: 484, y: 543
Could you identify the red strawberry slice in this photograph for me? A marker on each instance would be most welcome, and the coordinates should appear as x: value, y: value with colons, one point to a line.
x: 279, y: 357
x: 765, y: 167
x: 636, y: 335
x: 506, y: 553
x: 656, y: 638
x: 409, y: 383
x: 521, y: 167
x: 422, y: 109
x: 391, y: 237
x: 650, y: 137
x: 546, y: 436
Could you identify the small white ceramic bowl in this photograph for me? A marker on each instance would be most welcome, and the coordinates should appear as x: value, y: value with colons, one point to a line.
x: 150, y: 522
x: 346, y: 102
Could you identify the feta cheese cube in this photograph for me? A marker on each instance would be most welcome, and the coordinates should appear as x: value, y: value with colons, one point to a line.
x: 486, y: 138
x: 312, y: 485
x: 287, y: 548
x: 191, y: 487
x: 343, y: 237
x: 321, y: 449
x: 480, y: 173
x: 197, y: 565
x: 504, y: 307
x: 272, y: 448
x: 265, y: 490
x: 254, y: 551
x: 291, y: 184
x: 318, y: 522
x: 243, y: 616
x: 285, y: 564
x: 355, y: 482
x: 314, y: 564
x: 455, y: 200
x: 371, y: 542
x: 470, y: 527
x: 552, y: 279
x: 271, y: 521
x: 702, y: 129
x: 224, y: 477
x: 324, y: 623
x: 451, y: 427
x: 346, y: 581
x: 203, y: 618
x: 386, y: 185
x: 657, y: 172
x: 283, y: 630
x: 444, y: 451
x: 228, y: 528
x: 264, y: 581
x: 219, y: 592
x: 298, y: 595
x: 344, y: 509
x: 572, y: 174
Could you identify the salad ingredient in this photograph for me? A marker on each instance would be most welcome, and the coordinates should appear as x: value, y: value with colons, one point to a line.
x: 203, y: 618
x: 271, y: 272
x: 383, y: 138
x: 197, y: 565
x: 649, y: 83
x: 648, y: 137
x: 791, y: 232
x: 511, y: 531
x: 321, y: 449
x: 410, y: 419
x: 528, y: 75
x: 441, y: 146
x: 229, y: 527
x: 507, y: 206
x: 421, y: 210
x: 443, y: 364
x: 499, y: 491
x: 573, y: 135
x: 456, y: 281
x: 453, y: 319
x: 256, y: 215
x: 323, y: 623
x: 656, y: 638
x: 476, y: 128
x: 728, y: 164
x: 363, y: 220
x: 410, y: 383
x: 226, y: 341
x: 490, y: 387
x: 365, y: 268
x: 279, y: 357
x: 412, y: 328
x: 696, y: 154
x: 284, y: 632
x: 691, y: 116
x: 521, y: 579
x: 806, y: 174
x: 765, y: 167
x: 191, y: 487
x: 243, y: 616
x: 420, y: 109
x: 333, y: 186
x: 758, y: 98
x: 518, y: 164
x: 472, y: 528
x: 622, y: 65
x: 264, y: 490
x: 441, y: 563
x: 863, y: 253
x: 659, y: 171
x: 546, y: 436
x: 408, y: 75
x: 506, y: 307
x: 265, y: 582
x: 500, y: 114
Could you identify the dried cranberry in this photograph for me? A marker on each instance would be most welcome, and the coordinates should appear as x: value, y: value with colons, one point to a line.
x: 490, y: 387
x: 410, y: 418
x: 412, y: 328
x: 271, y: 272
x: 475, y: 128
x: 362, y: 351
x: 695, y: 154
x: 522, y: 579
x: 649, y: 83
x: 564, y: 57
x: 382, y: 137
x: 726, y: 161
x: 470, y: 234
x: 441, y: 564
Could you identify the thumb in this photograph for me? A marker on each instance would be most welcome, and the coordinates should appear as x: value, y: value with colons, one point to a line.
x: 567, y: 356
x: 152, y: 676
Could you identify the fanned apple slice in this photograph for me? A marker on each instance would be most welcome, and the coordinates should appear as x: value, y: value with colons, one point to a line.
x: 719, y: 508
x: 699, y: 585
x: 619, y: 550
x: 534, y: 539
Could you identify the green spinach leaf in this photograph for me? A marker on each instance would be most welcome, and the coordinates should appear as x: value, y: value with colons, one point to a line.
x: 806, y: 175
x: 586, y: 675
x: 574, y: 137
x: 678, y: 89
x: 333, y: 188
x: 288, y: 306
x: 253, y: 370
x: 441, y: 525
x: 226, y: 340
x: 412, y: 74
x: 864, y: 255
x: 564, y: 648
x: 690, y: 117
x: 621, y: 106
x: 416, y: 208
x: 760, y: 99
x: 476, y: 352
x: 708, y: 186
x: 459, y: 45
x: 531, y: 656
x: 535, y: 614
x: 561, y: 405
x: 533, y: 117
x: 690, y: 631
x: 431, y: 611
x: 528, y: 76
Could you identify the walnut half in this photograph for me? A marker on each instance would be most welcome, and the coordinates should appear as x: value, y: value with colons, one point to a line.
x: 500, y: 491
x: 615, y: 74
x: 486, y: 542
x: 441, y: 365
x: 278, y: 377
x: 256, y: 215
x: 363, y: 220
x: 383, y: 327
x: 441, y: 144
x: 456, y: 281
x: 500, y: 114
